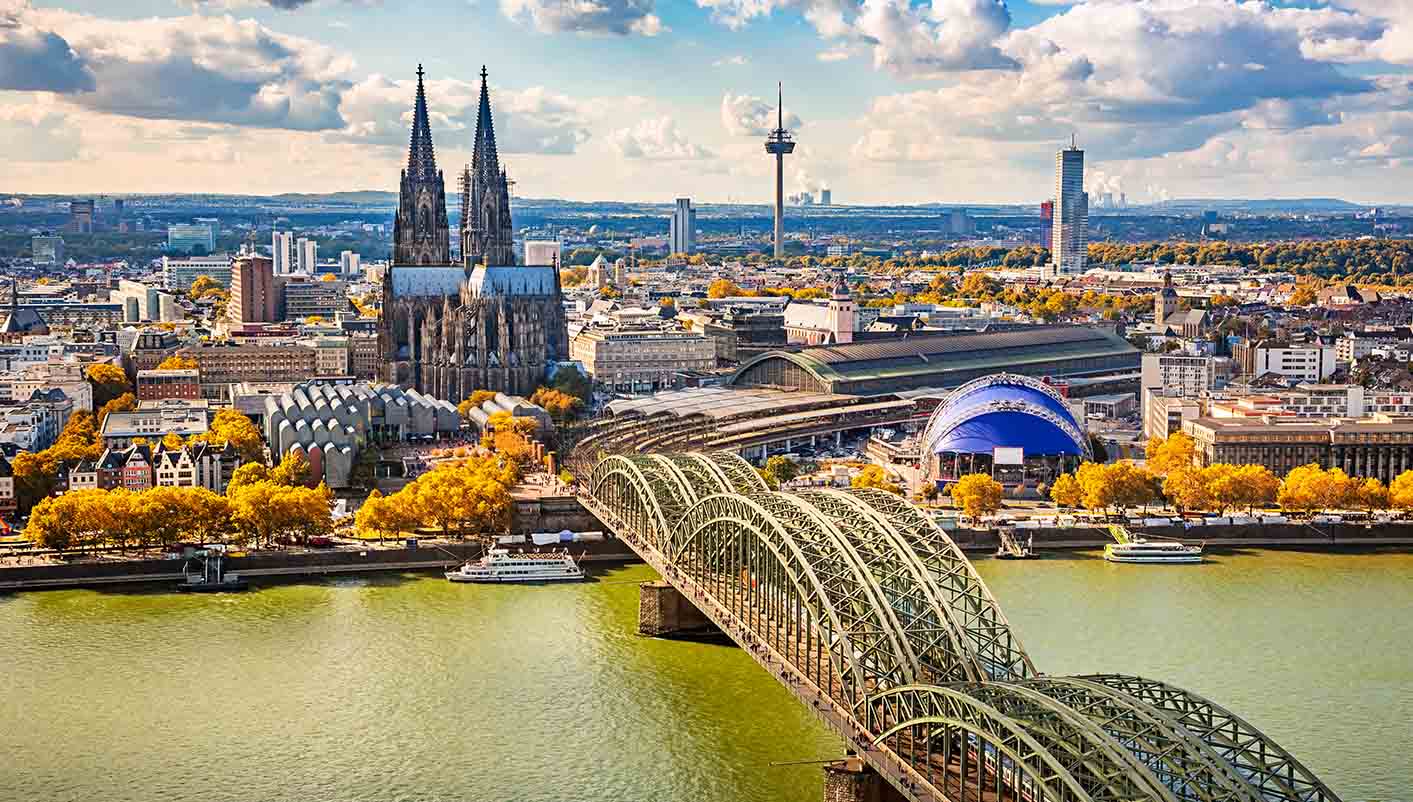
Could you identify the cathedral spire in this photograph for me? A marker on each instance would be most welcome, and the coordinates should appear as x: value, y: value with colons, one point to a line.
x: 483, y: 155
x: 420, y: 233
x: 487, y: 234
x: 421, y: 159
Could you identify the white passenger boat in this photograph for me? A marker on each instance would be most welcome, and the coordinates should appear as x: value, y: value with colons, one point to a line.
x: 501, y: 566
x: 1138, y: 550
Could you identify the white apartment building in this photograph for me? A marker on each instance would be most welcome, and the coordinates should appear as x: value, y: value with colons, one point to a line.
x: 1316, y: 401
x: 307, y: 254
x: 1304, y: 363
x: 1164, y: 415
x: 155, y: 420
x: 1178, y: 374
x: 543, y: 252
x: 282, y: 251
x: 179, y: 274
x: 641, y: 359
x: 350, y: 263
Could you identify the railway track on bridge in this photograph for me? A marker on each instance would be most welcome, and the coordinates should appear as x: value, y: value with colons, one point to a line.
x: 872, y: 618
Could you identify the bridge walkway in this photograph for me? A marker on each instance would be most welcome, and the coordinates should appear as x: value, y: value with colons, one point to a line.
x: 797, y: 659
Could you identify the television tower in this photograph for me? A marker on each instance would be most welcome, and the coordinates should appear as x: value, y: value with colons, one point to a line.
x: 778, y: 144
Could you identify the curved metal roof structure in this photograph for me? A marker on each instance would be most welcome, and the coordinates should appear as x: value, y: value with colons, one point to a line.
x: 1006, y: 410
x: 938, y: 360
x: 861, y: 606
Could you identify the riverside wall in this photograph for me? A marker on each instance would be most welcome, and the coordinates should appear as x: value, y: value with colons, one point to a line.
x: 1292, y: 535
x: 557, y: 513
x: 292, y: 564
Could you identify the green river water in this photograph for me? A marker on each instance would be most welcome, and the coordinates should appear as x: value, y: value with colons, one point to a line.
x: 412, y: 688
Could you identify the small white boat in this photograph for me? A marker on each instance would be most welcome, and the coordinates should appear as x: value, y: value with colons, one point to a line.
x: 1138, y: 550
x: 501, y: 566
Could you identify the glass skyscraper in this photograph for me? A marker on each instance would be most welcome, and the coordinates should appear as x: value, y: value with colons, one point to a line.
x: 1069, y: 239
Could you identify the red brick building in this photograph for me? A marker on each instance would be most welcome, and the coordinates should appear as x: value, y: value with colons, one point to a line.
x: 155, y: 385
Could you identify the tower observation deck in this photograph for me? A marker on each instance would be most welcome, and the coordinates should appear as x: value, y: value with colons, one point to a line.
x: 778, y: 144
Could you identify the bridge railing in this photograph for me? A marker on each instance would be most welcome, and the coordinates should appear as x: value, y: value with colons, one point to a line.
x: 860, y: 605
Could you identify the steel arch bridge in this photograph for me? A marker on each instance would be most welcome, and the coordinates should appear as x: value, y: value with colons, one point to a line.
x: 870, y: 614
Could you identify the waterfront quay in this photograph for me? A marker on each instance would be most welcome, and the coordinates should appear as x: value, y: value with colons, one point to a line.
x: 542, y: 511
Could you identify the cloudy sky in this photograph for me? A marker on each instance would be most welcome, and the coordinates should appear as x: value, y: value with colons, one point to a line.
x: 891, y: 100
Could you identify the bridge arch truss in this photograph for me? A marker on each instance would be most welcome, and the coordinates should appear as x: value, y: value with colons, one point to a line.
x: 859, y: 596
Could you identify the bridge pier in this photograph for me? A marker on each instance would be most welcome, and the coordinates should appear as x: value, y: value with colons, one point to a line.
x: 664, y: 611
x: 851, y: 780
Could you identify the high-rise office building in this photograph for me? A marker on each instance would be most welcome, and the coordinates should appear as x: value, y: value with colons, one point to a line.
x: 1047, y: 223
x: 1069, y: 247
x: 118, y: 204
x: 307, y: 251
x: 197, y: 239
x: 253, y: 297
x: 682, y: 230
x: 543, y: 252
x: 350, y: 263
x: 47, y: 249
x: 826, y: 197
x: 282, y: 252
x: 81, y: 216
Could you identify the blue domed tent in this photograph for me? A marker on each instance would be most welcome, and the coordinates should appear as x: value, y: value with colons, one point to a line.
x: 1005, y: 411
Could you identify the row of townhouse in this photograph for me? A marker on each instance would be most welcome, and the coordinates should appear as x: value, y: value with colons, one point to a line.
x: 142, y: 467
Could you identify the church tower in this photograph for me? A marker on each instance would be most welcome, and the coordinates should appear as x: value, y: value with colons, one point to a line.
x: 841, y: 313
x: 421, y: 235
x: 1165, y: 303
x: 486, y: 232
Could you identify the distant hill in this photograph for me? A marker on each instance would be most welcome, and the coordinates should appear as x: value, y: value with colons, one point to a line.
x: 365, y: 196
x: 1263, y: 204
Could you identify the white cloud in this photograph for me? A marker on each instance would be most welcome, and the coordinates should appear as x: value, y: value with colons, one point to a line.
x: 33, y: 57
x: 1395, y: 42
x: 38, y: 132
x: 657, y: 138
x: 534, y: 120
x: 1134, y: 79
x: 947, y: 36
x: 941, y: 36
x: 733, y: 61
x: 197, y: 68
x: 619, y: 17
x: 747, y: 115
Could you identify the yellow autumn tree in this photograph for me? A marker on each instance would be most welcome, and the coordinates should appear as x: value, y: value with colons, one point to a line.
x: 875, y: 477
x: 1185, y: 490
x: 1310, y: 487
x: 1257, y: 486
x: 177, y: 362
x: 1169, y: 454
x: 723, y: 288
x: 1066, y: 491
x: 1372, y: 495
x: 977, y: 494
x: 1400, y: 491
x: 230, y: 426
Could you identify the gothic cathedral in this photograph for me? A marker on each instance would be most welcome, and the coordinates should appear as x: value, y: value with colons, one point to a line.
x: 484, y: 324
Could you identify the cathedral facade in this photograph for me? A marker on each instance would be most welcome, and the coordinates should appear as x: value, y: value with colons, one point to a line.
x: 483, y: 323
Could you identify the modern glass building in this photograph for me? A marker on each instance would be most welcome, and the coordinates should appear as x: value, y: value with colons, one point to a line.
x: 191, y: 238
x: 1069, y: 244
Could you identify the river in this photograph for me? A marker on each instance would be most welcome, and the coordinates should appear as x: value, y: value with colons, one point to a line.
x: 411, y: 688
